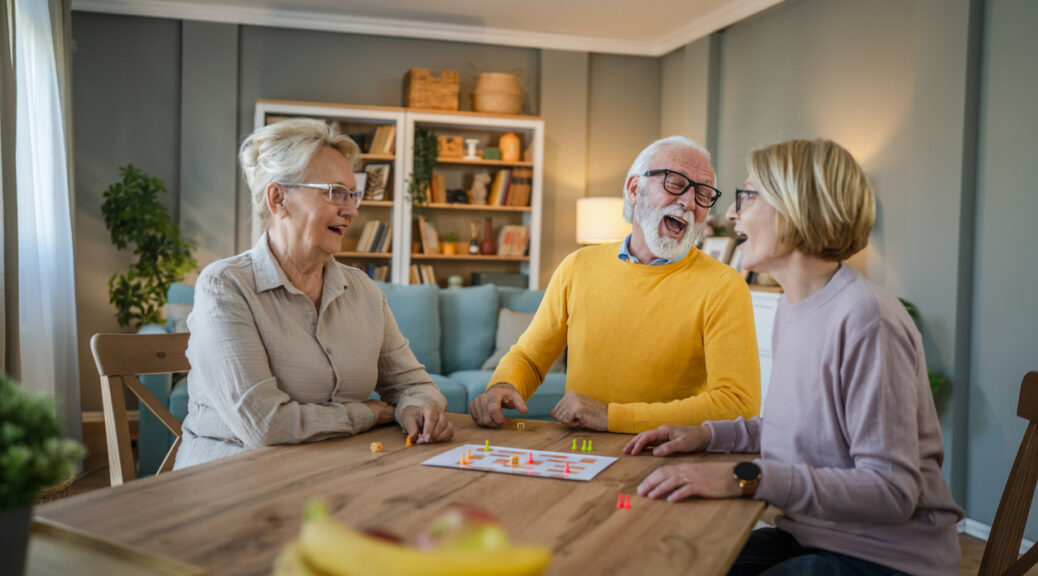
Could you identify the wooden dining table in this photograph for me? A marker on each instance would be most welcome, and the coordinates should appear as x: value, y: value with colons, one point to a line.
x: 232, y: 516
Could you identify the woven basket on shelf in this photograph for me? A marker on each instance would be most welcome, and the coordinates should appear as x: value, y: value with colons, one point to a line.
x: 423, y: 90
x: 497, y: 93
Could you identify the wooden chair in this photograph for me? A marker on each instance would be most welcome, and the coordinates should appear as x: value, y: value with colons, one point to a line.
x: 120, y: 358
x: 1002, y: 553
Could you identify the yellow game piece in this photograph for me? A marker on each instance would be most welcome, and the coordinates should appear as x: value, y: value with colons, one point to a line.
x: 486, y: 445
x: 376, y: 446
x: 513, y: 461
x: 408, y: 443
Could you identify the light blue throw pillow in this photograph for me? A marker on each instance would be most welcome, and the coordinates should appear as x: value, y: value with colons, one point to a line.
x: 417, y: 313
x: 469, y: 319
x: 519, y: 300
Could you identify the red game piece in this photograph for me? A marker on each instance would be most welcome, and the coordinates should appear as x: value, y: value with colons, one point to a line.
x: 627, y: 502
x: 567, y: 468
x: 530, y: 459
x: 620, y: 501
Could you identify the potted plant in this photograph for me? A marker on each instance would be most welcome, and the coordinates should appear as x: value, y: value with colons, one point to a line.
x: 425, y: 150
x: 135, y: 215
x: 448, y: 245
x: 33, y: 456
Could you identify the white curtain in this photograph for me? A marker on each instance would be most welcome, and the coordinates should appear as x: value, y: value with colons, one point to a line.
x: 46, y: 359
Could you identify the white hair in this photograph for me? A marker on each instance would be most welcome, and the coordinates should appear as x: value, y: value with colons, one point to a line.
x: 645, y: 158
x: 281, y: 152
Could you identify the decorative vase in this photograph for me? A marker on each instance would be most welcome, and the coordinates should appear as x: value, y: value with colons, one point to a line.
x: 487, y: 245
x: 509, y: 145
x: 14, y: 546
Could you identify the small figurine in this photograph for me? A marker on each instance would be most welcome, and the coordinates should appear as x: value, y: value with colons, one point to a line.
x: 480, y: 180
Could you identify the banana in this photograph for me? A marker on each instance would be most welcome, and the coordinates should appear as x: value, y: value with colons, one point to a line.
x: 291, y: 562
x: 337, y: 550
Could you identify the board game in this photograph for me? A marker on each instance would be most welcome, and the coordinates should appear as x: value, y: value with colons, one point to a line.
x: 582, y: 466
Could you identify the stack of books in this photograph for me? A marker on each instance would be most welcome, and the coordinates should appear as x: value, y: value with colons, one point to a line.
x: 511, y: 187
x: 378, y: 272
x: 377, y: 237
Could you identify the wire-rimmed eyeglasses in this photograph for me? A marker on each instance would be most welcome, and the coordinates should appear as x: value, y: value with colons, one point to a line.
x: 337, y: 193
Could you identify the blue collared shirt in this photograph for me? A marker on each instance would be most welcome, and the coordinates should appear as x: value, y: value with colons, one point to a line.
x: 626, y: 256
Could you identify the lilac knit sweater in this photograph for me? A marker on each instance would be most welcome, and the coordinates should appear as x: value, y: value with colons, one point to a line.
x: 850, y: 444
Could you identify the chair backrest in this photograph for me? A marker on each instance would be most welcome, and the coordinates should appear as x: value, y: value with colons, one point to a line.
x: 120, y: 358
x: 1002, y: 553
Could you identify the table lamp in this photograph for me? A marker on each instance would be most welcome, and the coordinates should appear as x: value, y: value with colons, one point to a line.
x: 600, y: 220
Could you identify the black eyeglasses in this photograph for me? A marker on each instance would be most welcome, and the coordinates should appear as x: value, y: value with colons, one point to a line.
x: 337, y: 193
x: 741, y: 195
x: 676, y: 184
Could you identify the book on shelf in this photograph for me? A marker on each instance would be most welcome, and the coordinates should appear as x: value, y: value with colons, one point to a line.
x: 386, y: 241
x: 430, y: 238
x: 438, y: 188
x: 370, y: 227
x: 422, y: 274
x: 375, y: 237
x: 499, y: 188
x: 378, y: 272
x: 377, y: 184
x: 512, y: 240
x: 384, y: 140
x: 520, y: 187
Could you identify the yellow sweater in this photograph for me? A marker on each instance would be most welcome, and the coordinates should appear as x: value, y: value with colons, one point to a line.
x: 667, y: 344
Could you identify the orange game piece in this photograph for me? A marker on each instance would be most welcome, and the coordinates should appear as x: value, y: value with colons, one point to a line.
x: 408, y: 444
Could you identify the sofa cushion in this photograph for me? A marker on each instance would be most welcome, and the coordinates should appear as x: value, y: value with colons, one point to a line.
x: 417, y: 312
x: 456, y: 394
x: 510, y: 326
x: 540, y: 404
x: 518, y: 299
x: 469, y: 319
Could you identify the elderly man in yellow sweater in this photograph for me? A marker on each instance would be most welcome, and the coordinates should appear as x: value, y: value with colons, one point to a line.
x: 658, y: 332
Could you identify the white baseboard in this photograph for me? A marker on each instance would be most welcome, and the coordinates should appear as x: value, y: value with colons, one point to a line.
x: 981, y: 531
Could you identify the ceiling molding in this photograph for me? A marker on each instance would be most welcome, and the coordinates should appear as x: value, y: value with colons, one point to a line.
x: 732, y: 12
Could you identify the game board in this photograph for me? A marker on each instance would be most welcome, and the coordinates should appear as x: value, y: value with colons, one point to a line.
x: 582, y: 466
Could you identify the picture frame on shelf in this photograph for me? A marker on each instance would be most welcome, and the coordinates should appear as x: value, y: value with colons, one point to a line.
x: 361, y: 179
x: 377, y: 181
x: 719, y: 247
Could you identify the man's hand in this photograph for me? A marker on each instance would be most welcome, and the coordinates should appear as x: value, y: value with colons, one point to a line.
x: 486, y: 408
x: 576, y: 410
x: 383, y: 412
x: 707, y: 480
x: 671, y: 439
x: 427, y: 424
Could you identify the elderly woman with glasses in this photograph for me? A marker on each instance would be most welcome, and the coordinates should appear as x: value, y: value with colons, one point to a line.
x: 287, y: 344
x: 849, y: 441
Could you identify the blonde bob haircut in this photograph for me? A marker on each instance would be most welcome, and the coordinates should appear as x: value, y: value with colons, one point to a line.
x: 824, y: 203
x: 281, y: 152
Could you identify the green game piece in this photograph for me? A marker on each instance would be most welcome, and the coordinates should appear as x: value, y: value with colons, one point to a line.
x: 486, y: 445
x: 574, y: 444
x: 588, y: 445
x: 583, y: 446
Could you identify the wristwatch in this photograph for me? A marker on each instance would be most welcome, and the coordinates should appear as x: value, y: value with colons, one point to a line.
x: 747, y: 474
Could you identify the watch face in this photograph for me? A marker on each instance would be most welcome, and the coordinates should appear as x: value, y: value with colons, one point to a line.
x: 747, y: 471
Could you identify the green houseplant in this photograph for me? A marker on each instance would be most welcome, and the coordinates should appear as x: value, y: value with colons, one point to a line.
x: 135, y: 216
x: 33, y: 456
x: 425, y: 151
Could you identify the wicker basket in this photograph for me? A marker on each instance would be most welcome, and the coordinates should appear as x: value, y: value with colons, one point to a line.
x: 449, y: 146
x: 423, y: 90
x: 497, y: 93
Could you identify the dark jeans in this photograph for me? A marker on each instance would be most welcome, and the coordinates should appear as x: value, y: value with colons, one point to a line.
x: 772, y: 552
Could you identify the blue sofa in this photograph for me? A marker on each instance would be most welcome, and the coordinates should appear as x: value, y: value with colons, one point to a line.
x: 452, y: 332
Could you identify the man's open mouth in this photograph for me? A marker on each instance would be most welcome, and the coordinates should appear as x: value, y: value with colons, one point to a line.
x: 675, y: 226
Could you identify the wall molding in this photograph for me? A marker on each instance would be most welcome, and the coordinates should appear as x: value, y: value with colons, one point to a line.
x: 729, y: 13
x: 981, y: 531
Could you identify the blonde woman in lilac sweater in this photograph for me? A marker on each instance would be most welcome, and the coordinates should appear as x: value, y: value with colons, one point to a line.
x: 850, y: 446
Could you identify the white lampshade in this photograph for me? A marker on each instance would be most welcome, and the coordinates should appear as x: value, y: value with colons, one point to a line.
x: 601, y: 220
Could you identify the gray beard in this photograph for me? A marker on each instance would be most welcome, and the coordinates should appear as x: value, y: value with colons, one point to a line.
x: 650, y: 217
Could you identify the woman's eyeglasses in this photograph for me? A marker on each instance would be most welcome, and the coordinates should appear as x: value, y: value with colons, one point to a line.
x: 741, y: 195
x: 337, y: 193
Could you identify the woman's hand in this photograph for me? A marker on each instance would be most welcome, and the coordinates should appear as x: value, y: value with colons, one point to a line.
x: 427, y: 424
x: 671, y: 439
x: 707, y: 480
x: 383, y: 412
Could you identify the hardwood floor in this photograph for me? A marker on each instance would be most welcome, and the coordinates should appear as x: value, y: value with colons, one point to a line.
x: 972, y: 548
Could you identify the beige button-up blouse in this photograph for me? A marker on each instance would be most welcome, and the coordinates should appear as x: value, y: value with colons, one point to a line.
x: 267, y: 368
